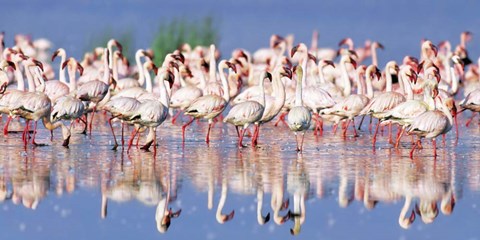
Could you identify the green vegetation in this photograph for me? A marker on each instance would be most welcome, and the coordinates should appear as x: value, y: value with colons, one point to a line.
x: 173, y: 33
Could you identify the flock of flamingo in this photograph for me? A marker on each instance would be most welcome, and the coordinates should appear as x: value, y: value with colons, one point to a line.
x: 300, y: 86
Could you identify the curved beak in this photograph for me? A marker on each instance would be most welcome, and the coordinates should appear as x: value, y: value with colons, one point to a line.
x: 294, y: 50
x: 232, y: 66
x: 55, y: 54
x: 229, y: 216
x: 80, y: 68
x: 287, y: 72
x: 268, y: 75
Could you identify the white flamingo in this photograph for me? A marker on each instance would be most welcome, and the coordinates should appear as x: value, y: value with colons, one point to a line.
x: 246, y: 113
x: 210, y: 106
x: 299, y: 116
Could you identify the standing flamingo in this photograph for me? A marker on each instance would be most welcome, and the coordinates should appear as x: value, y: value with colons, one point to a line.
x: 210, y: 106
x: 430, y: 124
x: 299, y: 116
x: 152, y: 113
x: 246, y: 113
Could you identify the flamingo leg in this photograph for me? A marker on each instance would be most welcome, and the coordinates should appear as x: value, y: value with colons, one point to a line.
x: 113, y: 133
x: 354, y: 128
x: 91, y: 119
x: 470, y: 119
x: 296, y: 140
x: 390, y: 133
x: 184, y: 127
x: 207, y: 139
x: 130, y: 142
x: 25, y: 133
x: 399, y: 136
x: 335, y: 126
x: 281, y: 118
x: 86, y: 124
x: 344, y: 134
x: 174, y: 119
x: 374, y: 140
x: 240, y: 139
x: 5, y: 128
x: 155, y: 142
x: 361, y: 122
x: 34, y: 133
x: 434, y: 143
x: 255, y: 135
x: 456, y: 126
x: 301, y: 143
x: 413, y: 148
x: 238, y: 133
x: 123, y: 134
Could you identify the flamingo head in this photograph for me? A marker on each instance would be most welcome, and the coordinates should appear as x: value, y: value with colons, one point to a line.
x: 275, y: 40
x: 268, y: 76
x: 59, y: 51
x: 179, y: 57
x: 448, y: 205
x: 459, y: 64
x: 113, y: 42
x: 378, y: 45
x: 405, y: 223
x: 6, y: 63
x: 301, y: 47
x: 287, y: 72
x: 323, y: 63
x: 170, y: 77
x: 373, y: 71
x: 346, y: 41
x: 231, y: 65
x: 3, y: 87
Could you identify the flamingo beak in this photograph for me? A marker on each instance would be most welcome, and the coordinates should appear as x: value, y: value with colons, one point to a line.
x: 288, y: 72
x: 329, y: 63
x: 174, y: 214
x: 420, y: 67
x: 38, y: 63
x: 380, y: 46
x: 293, y: 51
x: 119, y: 46
x: 55, y: 54
x: 232, y: 66
x: 354, y: 63
x: 3, y: 88
x: 12, y: 65
x: 313, y: 58
x: 268, y: 75
x: 179, y: 57
x: 80, y: 68
x: 434, y: 49
x: 435, y: 92
x: 229, y: 216
x: 64, y: 64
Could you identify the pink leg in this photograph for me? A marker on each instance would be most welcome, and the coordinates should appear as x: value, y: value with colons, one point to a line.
x: 91, y: 119
x: 184, y: 127
x: 130, y: 141
x: 413, y: 148
x: 470, y: 119
x: 176, y: 116
x: 335, y: 125
x: 240, y: 139
x: 113, y: 133
x: 34, y: 133
x: 390, y: 133
x: 207, y: 139
x: 301, y: 143
x: 374, y: 140
x: 345, y: 129
x: 123, y: 138
x: 256, y: 132
x: 399, y: 136
x: 434, y: 143
x: 354, y: 128
x: 5, y: 129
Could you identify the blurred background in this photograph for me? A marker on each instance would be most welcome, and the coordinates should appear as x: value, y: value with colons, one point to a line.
x: 80, y: 25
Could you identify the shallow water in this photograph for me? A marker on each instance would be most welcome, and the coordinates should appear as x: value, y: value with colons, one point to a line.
x: 338, y: 188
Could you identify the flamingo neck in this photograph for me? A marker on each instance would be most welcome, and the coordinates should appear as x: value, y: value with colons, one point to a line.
x: 347, y: 88
x: 164, y: 97
x: 114, y: 68
x: 226, y: 94
x: 106, y: 70
x: 455, y: 80
x: 359, y: 83
x: 278, y: 90
x: 260, y: 218
x: 321, y: 76
x: 61, y: 71
x: 19, y: 77
x: 388, y: 77
x: 407, y: 85
x: 141, y: 75
x: 39, y: 77
x: 148, y: 80
x: 31, y: 82
x: 374, y: 55
x: 405, y: 208
x: 223, y: 198
x: 213, y: 64
x: 72, y: 78
x: 262, y: 93
x: 369, y: 87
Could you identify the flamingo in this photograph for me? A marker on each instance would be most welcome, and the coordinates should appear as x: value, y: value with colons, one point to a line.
x: 120, y: 108
x: 57, y: 88
x: 351, y: 106
x: 210, y: 106
x: 380, y: 104
x: 152, y: 113
x: 430, y: 124
x: 35, y: 106
x: 248, y: 112
x: 68, y: 107
x: 94, y: 91
x: 299, y: 116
